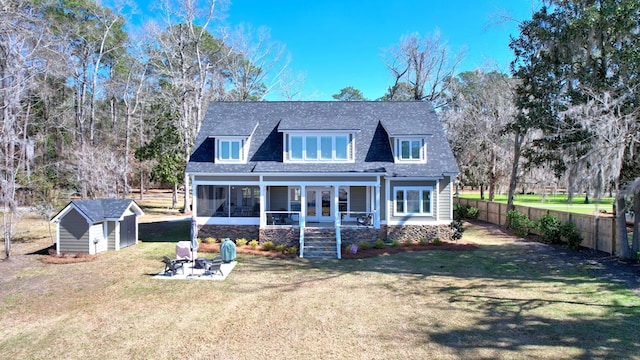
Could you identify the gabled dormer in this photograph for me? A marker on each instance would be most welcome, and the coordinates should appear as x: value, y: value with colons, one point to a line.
x: 232, y: 147
x: 409, y: 149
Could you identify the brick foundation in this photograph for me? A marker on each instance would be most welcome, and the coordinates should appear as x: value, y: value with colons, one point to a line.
x: 233, y: 232
x: 417, y: 232
x: 290, y: 236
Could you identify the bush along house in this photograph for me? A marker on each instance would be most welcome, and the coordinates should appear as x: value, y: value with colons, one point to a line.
x: 322, y: 175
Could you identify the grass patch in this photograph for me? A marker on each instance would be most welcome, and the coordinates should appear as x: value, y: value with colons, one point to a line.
x: 505, y: 299
x: 553, y: 202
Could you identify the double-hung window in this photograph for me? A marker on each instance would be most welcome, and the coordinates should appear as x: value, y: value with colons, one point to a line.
x: 319, y: 147
x: 410, y: 150
x: 230, y: 150
x: 413, y: 200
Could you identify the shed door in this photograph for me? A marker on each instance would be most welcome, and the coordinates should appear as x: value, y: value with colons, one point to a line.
x: 128, y: 231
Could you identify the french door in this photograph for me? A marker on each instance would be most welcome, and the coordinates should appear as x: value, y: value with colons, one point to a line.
x: 319, y: 204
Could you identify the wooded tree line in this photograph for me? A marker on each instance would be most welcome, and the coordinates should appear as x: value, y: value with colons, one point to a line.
x: 94, y: 102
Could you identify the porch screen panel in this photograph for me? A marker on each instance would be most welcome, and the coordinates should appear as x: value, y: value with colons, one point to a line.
x: 220, y: 203
x: 205, y: 200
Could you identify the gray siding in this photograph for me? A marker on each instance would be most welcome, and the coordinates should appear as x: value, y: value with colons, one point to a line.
x: 358, y: 200
x: 444, y: 195
x: 329, y: 179
x: 74, y: 233
x: 227, y: 178
x: 278, y: 198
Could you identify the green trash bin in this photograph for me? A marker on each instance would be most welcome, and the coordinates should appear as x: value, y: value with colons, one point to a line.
x: 228, y: 251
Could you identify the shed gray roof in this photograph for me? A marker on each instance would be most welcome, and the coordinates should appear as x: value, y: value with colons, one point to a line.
x: 373, y: 122
x: 100, y: 209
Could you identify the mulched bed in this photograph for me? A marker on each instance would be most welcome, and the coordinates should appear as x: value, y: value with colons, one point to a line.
x: 459, y: 245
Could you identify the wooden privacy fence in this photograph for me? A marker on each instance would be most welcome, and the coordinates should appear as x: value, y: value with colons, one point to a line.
x: 598, y: 231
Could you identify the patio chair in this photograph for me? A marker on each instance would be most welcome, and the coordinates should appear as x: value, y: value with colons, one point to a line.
x: 214, y: 266
x: 172, y: 266
x: 365, y: 220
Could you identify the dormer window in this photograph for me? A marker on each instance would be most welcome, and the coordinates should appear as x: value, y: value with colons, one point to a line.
x: 230, y: 150
x: 319, y: 148
x: 411, y: 150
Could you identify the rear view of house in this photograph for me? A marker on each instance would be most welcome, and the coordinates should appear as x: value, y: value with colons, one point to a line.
x: 321, y: 175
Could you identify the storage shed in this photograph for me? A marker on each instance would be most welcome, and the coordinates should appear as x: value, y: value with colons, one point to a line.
x: 93, y: 226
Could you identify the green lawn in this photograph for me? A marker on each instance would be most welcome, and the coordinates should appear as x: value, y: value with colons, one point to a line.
x: 507, y: 299
x: 554, y: 202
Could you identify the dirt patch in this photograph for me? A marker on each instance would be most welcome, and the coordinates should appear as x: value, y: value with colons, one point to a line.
x: 388, y: 250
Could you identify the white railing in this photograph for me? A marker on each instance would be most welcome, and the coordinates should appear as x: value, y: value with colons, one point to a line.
x: 357, y: 218
x: 283, y: 218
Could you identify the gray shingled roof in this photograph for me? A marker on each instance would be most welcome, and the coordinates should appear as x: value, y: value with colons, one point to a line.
x: 101, y: 209
x: 374, y: 121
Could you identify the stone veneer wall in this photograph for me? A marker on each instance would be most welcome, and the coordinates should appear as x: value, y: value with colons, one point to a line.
x: 417, y: 232
x: 350, y: 235
x: 289, y: 236
x: 233, y: 232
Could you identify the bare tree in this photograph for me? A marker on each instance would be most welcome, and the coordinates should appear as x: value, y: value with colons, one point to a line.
x: 23, y: 39
x: 255, y: 65
x: 480, y: 106
x: 187, y: 58
x: 425, y: 64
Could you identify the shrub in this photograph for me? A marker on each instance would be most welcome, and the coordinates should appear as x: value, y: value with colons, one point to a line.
x: 268, y: 246
x: 364, y: 245
x: 458, y: 229
x: 473, y: 212
x: 241, y: 242
x: 379, y: 244
x: 408, y: 242
x: 519, y: 222
x: 462, y: 211
x: 549, y: 226
x: 292, y: 250
x: 281, y: 247
x: 459, y: 211
x: 437, y: 241
x: 423, y: 241
x: 209, y: 240
x: 395, y: 243
x: 570, y: 234
x: 254, y: 244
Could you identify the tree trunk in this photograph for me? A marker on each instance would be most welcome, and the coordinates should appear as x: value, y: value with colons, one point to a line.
x: 621, y: 228
x: 513, y: 182
x: 174, y: 196
x: 635, y: 245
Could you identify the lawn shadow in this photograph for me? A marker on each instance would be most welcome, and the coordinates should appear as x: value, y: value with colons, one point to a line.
x: 164, y: 231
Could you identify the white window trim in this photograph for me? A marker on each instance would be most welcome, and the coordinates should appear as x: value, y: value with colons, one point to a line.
x: 398, y: 150
x: 350, y: 148
x: 243, y: 150
x: 405, y: 189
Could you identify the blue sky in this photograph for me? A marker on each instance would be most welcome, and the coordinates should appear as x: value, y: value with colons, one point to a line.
x: 339, y: 43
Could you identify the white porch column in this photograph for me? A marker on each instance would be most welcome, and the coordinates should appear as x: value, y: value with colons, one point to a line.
x: 336, y: 203
x: 303, y: 206
x: 436, y: 198
x: 376, y: 216
x: 263, y: 205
